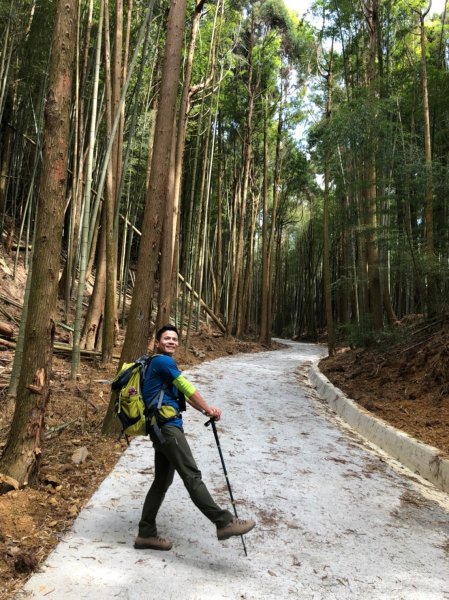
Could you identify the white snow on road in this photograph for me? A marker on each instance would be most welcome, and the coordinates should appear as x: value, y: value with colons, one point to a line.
x: 335, y: 518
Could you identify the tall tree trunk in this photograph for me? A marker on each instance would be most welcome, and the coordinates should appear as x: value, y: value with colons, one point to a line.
x: 21, y: 457
x: 372, y: 250
x: 247, y: 157
x: 87, y: 203
x: 245, y: 316
x: 110, y: 325
x: 112, y: 99
x: 274, y: 210
x: 117, y: 82
x: 138, y: 329
x: 67, y: 280
x: 201, y: 227
x: 432, y: 299
x: 264, y: 334
x: 167, y: 245
x: 94, y: 312
x: 427, y: 140
x: 220, y: 167
x: 179, y: 138
x: 326, y: 234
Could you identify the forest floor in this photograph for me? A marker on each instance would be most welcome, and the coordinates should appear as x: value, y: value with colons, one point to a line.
x: 406, y: 384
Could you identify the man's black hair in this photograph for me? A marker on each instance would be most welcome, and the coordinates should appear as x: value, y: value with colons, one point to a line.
x: 164, y: 329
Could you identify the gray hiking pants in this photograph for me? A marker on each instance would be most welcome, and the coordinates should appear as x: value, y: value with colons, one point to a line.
x: 175, y: 455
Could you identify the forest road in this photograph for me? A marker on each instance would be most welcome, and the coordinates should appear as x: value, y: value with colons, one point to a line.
x: 335, y: 518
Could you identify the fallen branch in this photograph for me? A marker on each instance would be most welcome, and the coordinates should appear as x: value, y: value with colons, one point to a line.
x: 60, y: 348
x: 18, y: 305
x: 59, y: 428
x: 209, y: 311
x: 426, y: 338
x: 129, y: 224
x: 8, y: 315
x: 6, y: 329
x: 7, y: 343
x: 10, y: 301
x: 67, y: 349
x: 8, y: 483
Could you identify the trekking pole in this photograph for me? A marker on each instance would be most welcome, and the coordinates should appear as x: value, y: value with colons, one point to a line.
x: 214, y: 429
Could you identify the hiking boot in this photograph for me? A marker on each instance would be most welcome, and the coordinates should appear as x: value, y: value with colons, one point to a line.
x: 153, y: 542
x: 235, y: 527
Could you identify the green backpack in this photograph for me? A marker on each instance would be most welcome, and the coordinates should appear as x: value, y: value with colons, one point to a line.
x: 129, y: 404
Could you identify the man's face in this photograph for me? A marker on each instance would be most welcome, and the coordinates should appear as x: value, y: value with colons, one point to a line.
x: 168, y: 343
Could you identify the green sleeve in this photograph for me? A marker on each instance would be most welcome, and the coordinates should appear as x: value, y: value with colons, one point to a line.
x: 184, y: 386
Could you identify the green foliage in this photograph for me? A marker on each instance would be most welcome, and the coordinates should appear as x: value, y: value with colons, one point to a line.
x: 15, y: 13
x: 364, y: 335
x: 352, y: 126
x: 296, y: 169
x: 381, y: 122
x: 294, y: 35
x: 36, y: 49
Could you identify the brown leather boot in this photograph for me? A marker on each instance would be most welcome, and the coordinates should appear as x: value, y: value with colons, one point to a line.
x: 235, y: 527
x: 153, y: 542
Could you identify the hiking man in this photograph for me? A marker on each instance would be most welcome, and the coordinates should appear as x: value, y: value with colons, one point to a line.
x: 171, y: 450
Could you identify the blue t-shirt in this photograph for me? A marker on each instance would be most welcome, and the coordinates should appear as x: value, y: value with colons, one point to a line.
x: 162, y: 370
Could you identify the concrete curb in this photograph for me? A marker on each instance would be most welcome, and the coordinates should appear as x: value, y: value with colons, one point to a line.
x: 421, y: 458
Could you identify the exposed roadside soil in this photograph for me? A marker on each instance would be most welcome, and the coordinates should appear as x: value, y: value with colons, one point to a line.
x: 406, y: 382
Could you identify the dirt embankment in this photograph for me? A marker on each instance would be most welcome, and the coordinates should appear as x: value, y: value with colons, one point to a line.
x: 405, y: 382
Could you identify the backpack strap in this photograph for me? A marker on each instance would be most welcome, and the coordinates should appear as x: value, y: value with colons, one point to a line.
x: 161, y: 395
x: 151, y: 415
x: 124, y: 376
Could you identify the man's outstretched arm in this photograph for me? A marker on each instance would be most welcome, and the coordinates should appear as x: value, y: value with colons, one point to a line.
x: 195, y: 399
